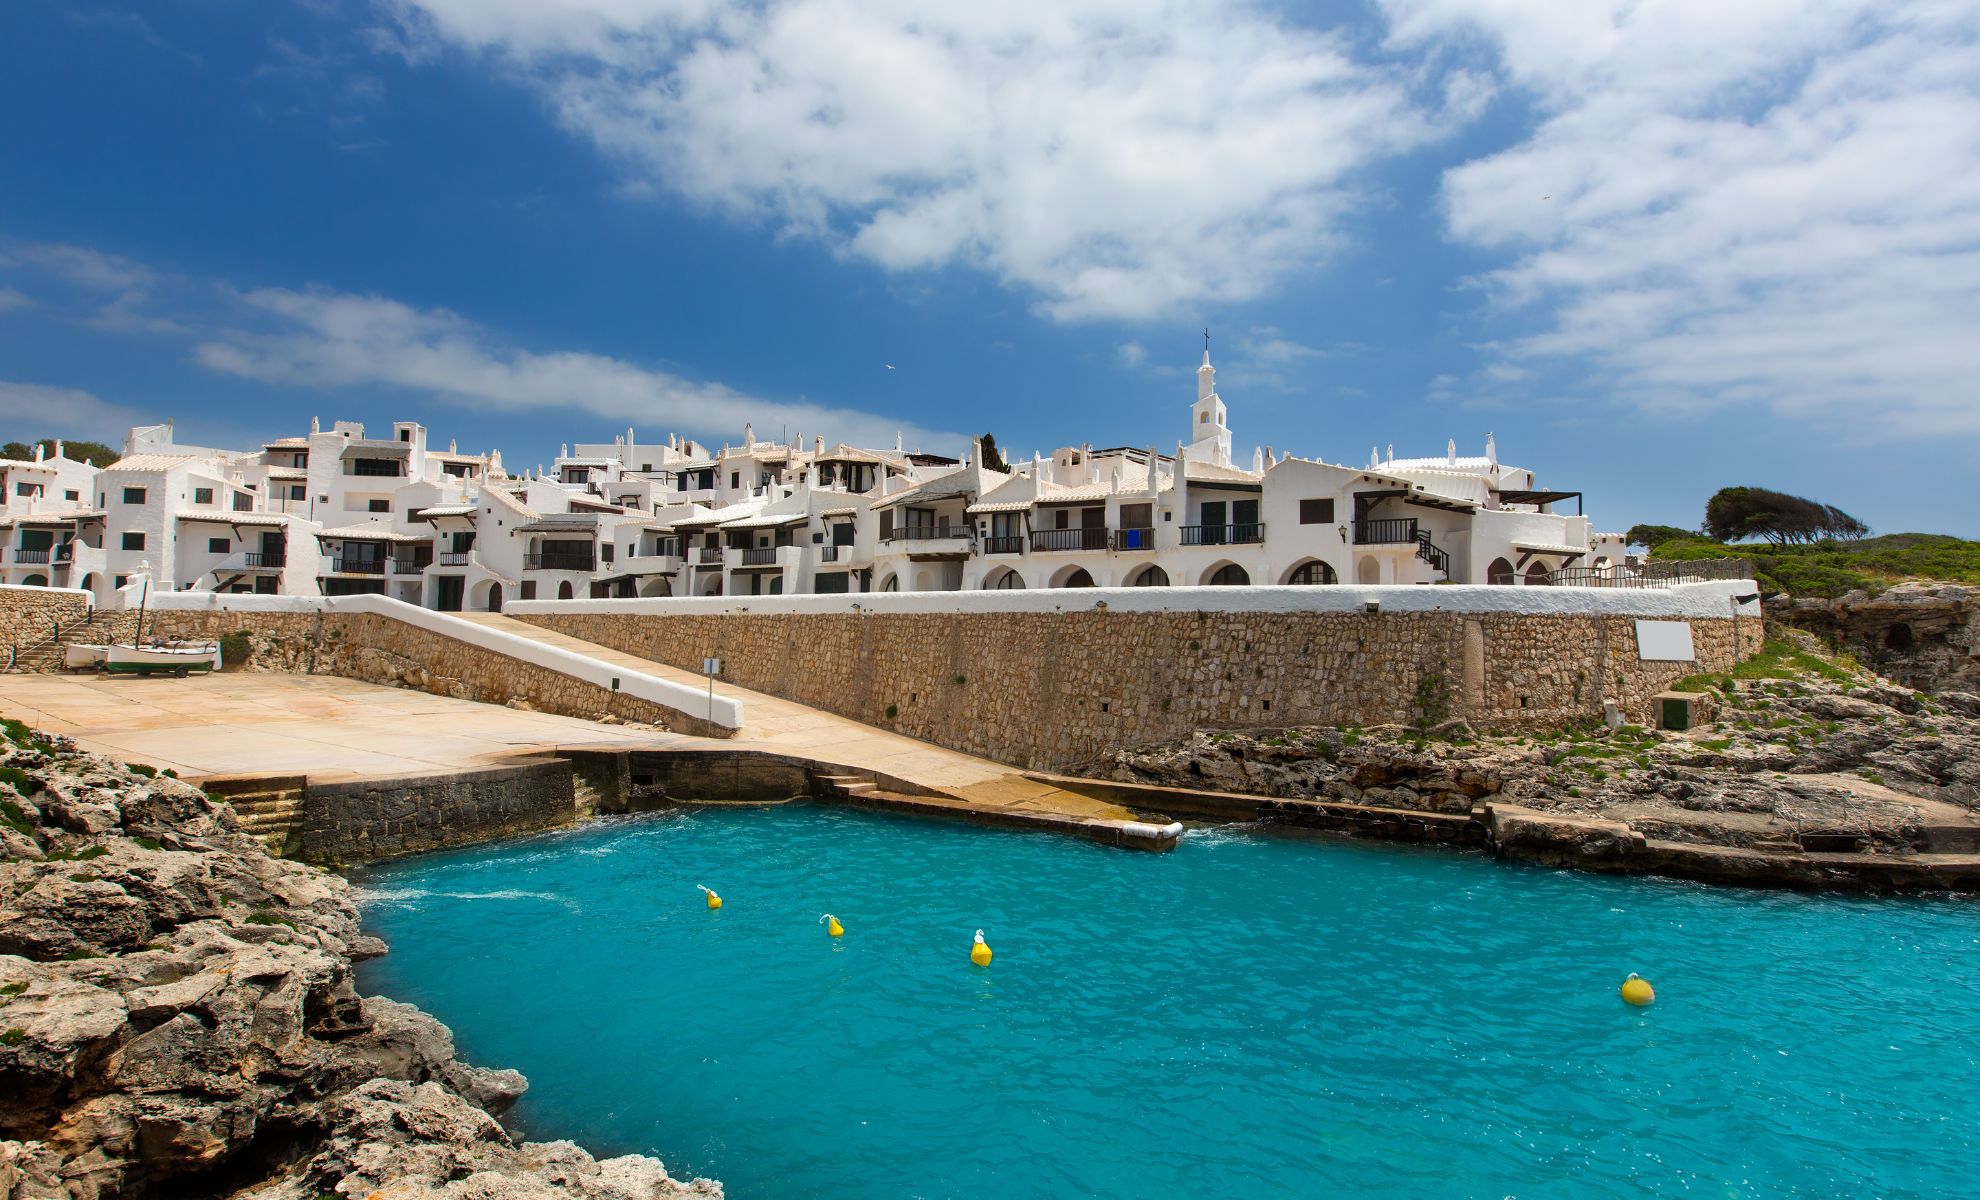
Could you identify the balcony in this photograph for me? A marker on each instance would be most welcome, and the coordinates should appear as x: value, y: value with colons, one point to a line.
x: 410, y: 564
x: 560, y: 561
x: 830, y: 553
x: 1399, y: 531
x: 940, y: 531
x: 1134, y: 538
x: 357, y: 566
x: 759, y: 556
x: 455, y: 558
x: 1223, y: 535
x: 710, y: 556
x: 1045, y: 540
x: 258, y: 561
x: 30, y: 556
x: 1004, y: 544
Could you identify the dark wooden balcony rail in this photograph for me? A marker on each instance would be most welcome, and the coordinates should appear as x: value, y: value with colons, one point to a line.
x: 929, y: 533
x: 1134, y: 539
x: 30, y: 556
x: 828, y: 553
x: 260, y: 560
x: 710, y: 554
x: 455, y: 558
x: 1223, y: 535
x: 999, y: 543
x: 759, y: 556
x: 358, y: 566
x: 1069, y: 539
x: 560, y: 561
x: 1393, y: 531
x: 410, y: 564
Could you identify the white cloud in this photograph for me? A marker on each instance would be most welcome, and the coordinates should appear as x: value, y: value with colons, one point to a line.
x: 1773, y: 202
x: 1117, y: 158
x: 1133, y: 354
x: 35, y: 410
x: 9, y: 298
x: 323, y: 339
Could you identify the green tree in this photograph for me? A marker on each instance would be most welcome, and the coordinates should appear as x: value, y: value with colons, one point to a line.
x: 992, y: 460
x: 1736, y: 513
x: 94, y: 453
x: 1657, y: 535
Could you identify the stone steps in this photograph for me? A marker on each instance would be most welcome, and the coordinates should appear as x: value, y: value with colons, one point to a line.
x: 273, y: 819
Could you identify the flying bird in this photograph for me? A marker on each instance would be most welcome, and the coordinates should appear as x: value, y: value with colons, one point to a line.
x: 890, y: 366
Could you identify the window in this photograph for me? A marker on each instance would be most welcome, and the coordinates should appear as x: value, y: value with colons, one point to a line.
x: 72, y: 496
x: 243, y: 502
x: 529, y: 589
x: 1203, y: 419
x: 383, y: 506
x: 735, y: 479
x: 117, y: 581
x: 133, y: 541
x: 24, y: 489
x: 134, y: 495
x: 202, y: 495
x: 298, y: 492
x: 405, y: 435
x: 605, y: 551
x: 375, y: 466
x: 1316, y: 512
x: 218, y: 546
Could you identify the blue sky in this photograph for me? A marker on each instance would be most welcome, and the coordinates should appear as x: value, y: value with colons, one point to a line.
x: 1656, y: 247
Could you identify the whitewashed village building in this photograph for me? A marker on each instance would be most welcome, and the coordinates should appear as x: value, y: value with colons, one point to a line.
x: 337, y: 513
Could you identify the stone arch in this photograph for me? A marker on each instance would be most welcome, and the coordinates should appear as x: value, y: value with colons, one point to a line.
x: 1536, y: 575
x: 1368, y: 570
x: 1004, y: 579
x: 1150, y: 576
x: 88, y: 583
x: 495, y: 597
x: 712, y: 586
x: 1227, y: 575
x: 1501, y: 572
x: 1312, y: 571
x: 659, y: 585
x: 924, y: 580
x: 564, y: 590
x: 478, y: 597
x: 891, y: 583
x: 1072, y: 577
x: 35, y: 581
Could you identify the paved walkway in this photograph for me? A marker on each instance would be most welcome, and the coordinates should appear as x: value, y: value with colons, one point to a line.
x: 239, y: 723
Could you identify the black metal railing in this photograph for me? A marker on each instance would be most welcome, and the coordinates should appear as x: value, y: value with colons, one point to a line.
x: 255, y: 560
x: 710, y: 554
x: 1134, y: 538
x: 30, y: 556
x: 1646, y: 575
x: 1069, y: 539
x: 1431, y: 553
x: 410, y: 564
x: 1222, y: 535
x: 456, y: 558
x: 759, y: 556
x: 358, y: 566
x: 1389, y: 531
x: 559, y: 562
x: 828, y: 553
x: 929, y: 533
x: 1001, y: 543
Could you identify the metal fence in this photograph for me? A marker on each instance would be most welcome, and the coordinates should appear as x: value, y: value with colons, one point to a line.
x: 1645, y: 575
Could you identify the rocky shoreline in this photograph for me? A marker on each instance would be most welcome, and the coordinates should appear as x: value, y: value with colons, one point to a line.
x: 177, y: 1019
x: 1818, y: 775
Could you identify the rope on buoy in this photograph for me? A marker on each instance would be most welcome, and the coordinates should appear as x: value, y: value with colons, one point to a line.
x: 832, y: 926
x: 714, y: 901
x: 1637, y: 992
x: 979, y: 953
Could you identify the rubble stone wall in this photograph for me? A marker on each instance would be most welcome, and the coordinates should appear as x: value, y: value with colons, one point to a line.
x: 366, y: 819
x: 1051, y: 690
x: 377, y: 649
x: 28, y: 614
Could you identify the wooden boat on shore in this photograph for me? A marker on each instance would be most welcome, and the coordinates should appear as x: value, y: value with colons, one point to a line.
x: 173, y: 660
x: 80, y: 657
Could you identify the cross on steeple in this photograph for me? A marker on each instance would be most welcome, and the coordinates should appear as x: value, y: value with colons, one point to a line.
x: 1206, y: 339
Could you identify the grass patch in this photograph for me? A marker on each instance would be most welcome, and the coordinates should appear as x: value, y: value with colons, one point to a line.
x: 1777, y: 658
x: 18, y: 780
x: 1830, y: 568
x: 1873, y: 776
x: 82, y: 877
x: 145, y: 843
x: 1715, y: 744
x: 82, y: 855
x: 13, y: 1037
x: 79, y: 955
x: 144, y: 769
x: 265, y: 917
x: 14, y: 989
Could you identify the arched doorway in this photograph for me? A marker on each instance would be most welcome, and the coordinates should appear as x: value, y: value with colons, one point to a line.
x: 564, y: 590
x: 1368, y: 570
x: 1536, y: 576
x: 1150, y: 576
x: 891, y: 583
x: 1074, y: 577
x: 1229, y: 575
x: 1005, y: 580
x: 88, y: 583
x: 1312, y: 571
x: 659, y: 585
x: 494, y: 597
x: 1501, y: 572
x: 35, y: 581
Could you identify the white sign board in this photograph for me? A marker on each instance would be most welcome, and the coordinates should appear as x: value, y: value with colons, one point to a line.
x: 1664, y: 641
x: 712, y: 667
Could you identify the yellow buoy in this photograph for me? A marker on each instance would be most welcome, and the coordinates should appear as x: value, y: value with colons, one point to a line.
x: 832, y: 925
x: 980, y: 952
x: 714, y: 901
x: 1636, y: 990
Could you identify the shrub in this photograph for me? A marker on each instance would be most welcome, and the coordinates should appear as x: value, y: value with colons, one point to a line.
x: 82, y: 877
x: 144, y: 769
x: 145, y: 843
x: 82, y: 855
x: 265, y: 917
x: 893, y: 710
x: 13, y: 1037
x: 15, y: 817
x: 79, y: 954
x: 17, y: 779
x: 235, y: 648
x: 14, y: 989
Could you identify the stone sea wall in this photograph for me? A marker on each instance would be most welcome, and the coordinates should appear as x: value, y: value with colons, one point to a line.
x: 1051, y: 690
x: 377, y: 649
x: 361, y: 820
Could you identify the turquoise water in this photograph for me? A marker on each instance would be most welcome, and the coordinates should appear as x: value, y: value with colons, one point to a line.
x: 1248, y: 1016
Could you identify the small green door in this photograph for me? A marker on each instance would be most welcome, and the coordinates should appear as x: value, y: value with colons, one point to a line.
x: 1677, y: 713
